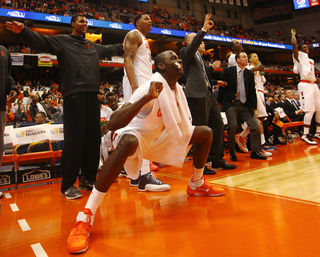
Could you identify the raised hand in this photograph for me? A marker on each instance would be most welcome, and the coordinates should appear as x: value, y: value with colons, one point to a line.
x: 155, y: 89
x: 14, y: 26
x: 208, y: 24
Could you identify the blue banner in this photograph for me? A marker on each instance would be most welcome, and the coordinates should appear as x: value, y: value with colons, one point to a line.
x: 122, y: 26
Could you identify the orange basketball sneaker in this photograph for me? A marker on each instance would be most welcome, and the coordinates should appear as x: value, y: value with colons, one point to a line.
x: 78, y: 239
x: 204, y: 189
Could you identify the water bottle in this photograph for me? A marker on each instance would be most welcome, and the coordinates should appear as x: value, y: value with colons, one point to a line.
x: 261, y: 72
x: 289, y: 136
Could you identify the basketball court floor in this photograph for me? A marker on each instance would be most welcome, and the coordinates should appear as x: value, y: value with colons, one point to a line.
x: 270, y: 208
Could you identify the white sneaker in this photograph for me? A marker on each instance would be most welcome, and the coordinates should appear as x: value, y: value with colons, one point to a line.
x: 308, y: 140
x: 265, y: 154
x: 242, y: 143
x: 317, y: 136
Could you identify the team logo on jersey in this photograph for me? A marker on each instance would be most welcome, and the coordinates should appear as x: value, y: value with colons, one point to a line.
x: 88, y: 46
x: 159, y: 113
x: 2, y: 53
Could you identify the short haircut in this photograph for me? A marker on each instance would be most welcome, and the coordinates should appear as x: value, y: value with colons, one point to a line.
x: 300, y: 46
x: 138, y: 17
x: 232, y: 43
x: 42, y: 114
x: 110, y: 95
x: 238, y: 55
x: 73, y: 19
x: 159, y: 59
x: 251, y: 55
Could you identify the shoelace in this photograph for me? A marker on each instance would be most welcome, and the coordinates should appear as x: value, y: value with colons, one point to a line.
x: 154, y: 179
x: 81, y: 227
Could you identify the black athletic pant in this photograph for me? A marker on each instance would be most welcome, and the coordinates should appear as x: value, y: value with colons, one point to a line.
x: 206, y: 111
x: 81, y: 147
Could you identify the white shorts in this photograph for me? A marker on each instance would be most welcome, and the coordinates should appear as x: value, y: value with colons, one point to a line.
x: 309, y: 97
x: 127, y: 89
x: 261, y: 106
x: 163, y: 151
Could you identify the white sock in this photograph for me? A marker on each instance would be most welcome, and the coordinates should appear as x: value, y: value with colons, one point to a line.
x: 263, y: 140
x: 145, y: 168
x: 197, y: 173
x: 245, y: 132
x: 83, y: 217
x: 196, y: 183
x: 96, y: 197
x: 305, y: 131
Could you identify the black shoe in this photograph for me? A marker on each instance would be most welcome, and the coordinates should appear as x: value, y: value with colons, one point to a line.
x: 233, y: 155
x: 224, y: 165
x: 135, y: 182
x: 72, y: 193
x: 257, y: 155
x: 207, y: 171
x: 280, y: 142
x: 85, y: 184
x: 149, y: 182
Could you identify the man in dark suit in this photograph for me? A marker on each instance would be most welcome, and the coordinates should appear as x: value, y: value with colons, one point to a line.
x: 291, y: 109
x: 198, y: 90
x: 239, y: 98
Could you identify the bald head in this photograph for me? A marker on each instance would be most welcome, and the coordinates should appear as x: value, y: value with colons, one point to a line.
x: 160, y: 59
x: 189, y: 37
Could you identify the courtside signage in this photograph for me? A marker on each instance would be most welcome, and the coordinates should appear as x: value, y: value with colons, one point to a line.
x: 128, y: 27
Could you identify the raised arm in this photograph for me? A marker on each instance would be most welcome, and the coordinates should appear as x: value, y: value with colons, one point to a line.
x: 132, y: 42
x: 37, y: 41
x: 294, y: 45
x: 123, y: 116
x: 192, y: 48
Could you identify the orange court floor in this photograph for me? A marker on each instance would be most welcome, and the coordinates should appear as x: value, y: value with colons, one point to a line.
x: 270, y: 208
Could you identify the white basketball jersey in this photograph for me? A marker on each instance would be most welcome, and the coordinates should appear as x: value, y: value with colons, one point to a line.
x: 142, y: 62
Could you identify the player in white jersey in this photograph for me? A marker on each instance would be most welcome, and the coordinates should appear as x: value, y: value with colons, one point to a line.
x: 138, y: 70
x: 308, y: 89
x: 235, y: 47
x: 137, y: 56
x: 143, y: 116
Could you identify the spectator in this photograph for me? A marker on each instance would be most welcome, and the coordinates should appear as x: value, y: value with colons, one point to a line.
x: 10, y: 116
x: 36, y: 107
x: 20, y: 116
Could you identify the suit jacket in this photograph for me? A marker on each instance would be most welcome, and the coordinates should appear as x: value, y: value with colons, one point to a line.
x: 196, y: 85
x: 34, y: 110
x: 275, y: 105
x: 227, y: 95
x: 290, y: 111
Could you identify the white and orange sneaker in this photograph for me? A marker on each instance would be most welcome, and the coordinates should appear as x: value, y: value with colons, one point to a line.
x: 265, y: 153
x: 204, y: 189
x: 242, y: 143
x: 78, y: 239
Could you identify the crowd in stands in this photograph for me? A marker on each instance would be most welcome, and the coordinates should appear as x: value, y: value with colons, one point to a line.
x: 33, y: 94
x: 161, y: 17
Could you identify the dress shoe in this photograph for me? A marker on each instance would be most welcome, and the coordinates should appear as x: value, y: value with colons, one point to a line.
x: 257, y: 155
x: 207, y: 171
x: 224, y: 165
x: 233, y: 155
x: 280, y: 142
